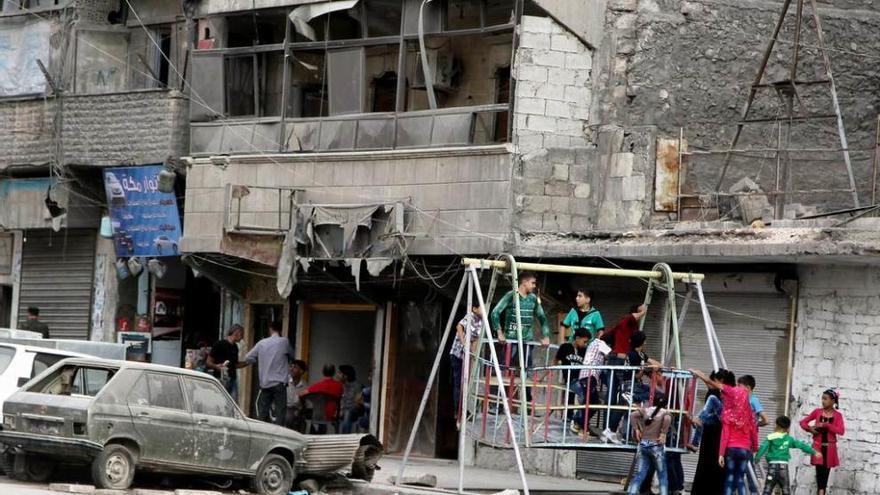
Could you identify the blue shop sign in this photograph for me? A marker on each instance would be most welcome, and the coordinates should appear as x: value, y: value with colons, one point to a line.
x: 145, y: 220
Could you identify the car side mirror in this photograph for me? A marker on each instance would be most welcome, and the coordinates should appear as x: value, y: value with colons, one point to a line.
x: 22, y: 380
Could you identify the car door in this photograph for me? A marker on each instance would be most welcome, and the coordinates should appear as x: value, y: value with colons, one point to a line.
x: 161, y: 418
x: 222, y: 436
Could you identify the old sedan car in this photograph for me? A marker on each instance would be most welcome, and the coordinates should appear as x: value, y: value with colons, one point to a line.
x: 120, y: 416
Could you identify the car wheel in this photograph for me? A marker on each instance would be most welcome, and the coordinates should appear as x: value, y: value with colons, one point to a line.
x: 274, y: 476
x: 114, y: 467
x: 38, y: 469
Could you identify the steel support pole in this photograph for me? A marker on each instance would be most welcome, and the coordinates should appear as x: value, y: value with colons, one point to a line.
x: 707, y: 322
x: 430, y: 384
x: 583, y: 270
x: 501, y: 392
x: 465, y: 386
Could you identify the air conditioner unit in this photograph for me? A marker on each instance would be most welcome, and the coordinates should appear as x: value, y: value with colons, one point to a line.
x: 442, y: 65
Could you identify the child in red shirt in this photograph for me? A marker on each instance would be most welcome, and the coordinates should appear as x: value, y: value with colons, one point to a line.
x: 739, y: 432
x: 826, y: 424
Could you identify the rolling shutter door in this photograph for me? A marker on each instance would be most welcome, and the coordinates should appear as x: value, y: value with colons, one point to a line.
x: 751, y: 346
x: 57, y: 270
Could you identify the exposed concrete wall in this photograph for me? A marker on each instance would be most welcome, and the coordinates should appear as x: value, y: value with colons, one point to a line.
x: 683, y: 63
x: 111, y: 129
x: 552, y: 73
x: 838, y: 339
x: 462, y: 196
x: 552, y: 462
x: 605, y: 187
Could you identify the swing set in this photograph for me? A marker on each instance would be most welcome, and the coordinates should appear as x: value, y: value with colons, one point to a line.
x: 515, y: 403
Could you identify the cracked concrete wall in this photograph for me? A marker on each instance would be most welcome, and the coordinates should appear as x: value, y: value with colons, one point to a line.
x: 579, y: 189
x: 838, y: 326
x: 690, y: 63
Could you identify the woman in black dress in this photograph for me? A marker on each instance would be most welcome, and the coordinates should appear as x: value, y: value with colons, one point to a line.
x: 709, y: 476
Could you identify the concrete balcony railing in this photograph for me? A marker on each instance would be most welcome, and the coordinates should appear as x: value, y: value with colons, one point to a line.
x: 111, y: 129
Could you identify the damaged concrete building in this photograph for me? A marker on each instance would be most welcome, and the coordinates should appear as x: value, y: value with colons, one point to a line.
x: 339, y: 157
x: 584, y: 132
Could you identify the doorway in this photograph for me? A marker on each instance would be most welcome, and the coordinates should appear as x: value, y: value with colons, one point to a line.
x: 5, y: 306
x: 339, y: 334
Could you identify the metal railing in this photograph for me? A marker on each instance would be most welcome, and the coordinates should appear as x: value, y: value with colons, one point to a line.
x: 571, y: 406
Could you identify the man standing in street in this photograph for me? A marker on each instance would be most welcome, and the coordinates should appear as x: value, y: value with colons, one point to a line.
x: 223, y: 360
x: 272, y: 355
x: 33, y: 323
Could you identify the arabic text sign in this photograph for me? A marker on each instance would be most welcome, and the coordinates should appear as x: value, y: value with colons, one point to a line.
x: 145, y: 220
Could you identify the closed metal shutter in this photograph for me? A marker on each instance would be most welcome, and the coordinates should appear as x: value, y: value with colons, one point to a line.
x: 57, y: 271
x: 758, y: 347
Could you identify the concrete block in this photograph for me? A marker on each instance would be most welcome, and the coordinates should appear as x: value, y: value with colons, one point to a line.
x: 626, y: 45
x: 565, y: 43
x: 531, y: 106
x: 549, y: 58
x: 578, y: 141
x: 626, y: 21
x: 551, y: 91
x: 582, y: 191
x: 557, y: 141
x: 539, y: 204
x: 622, y: 164
x: 542, y: 124
x: 579, y: 61
x: 560, y: 172
x: 537, y: 169
x: 531, y: 221
x: 623, y: 5
x: 579, y: 173
x: 580, y: 111
x: 558, y: 188
x: 529, y: 141
x: 560, y: 155
x: 110, y: 491
x: 560, y: 109
x: 144, y: 491
x: 559, y: 204
x: 536, y: 41
x: 577, y: 94
x: 581, y: 223
x: 531, y: 186
x: 534, y: 24
x: 561, y: 76
x: 633, y: 188
x: 71, y: 488
x: 527, y: 89
x: 531, y: 73
x: 570, y: 127
x: 556, y: 222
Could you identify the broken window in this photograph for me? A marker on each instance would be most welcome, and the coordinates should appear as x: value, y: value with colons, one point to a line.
x: 253, y: 82
x: 259, y: 27
x: 307, y: 95
x: 157, y: 390
x: 208, y: 398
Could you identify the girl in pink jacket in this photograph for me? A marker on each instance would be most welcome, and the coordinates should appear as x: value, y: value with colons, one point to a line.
x: 825, y: 424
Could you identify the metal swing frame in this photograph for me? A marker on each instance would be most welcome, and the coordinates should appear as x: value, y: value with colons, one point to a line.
x: 660, y: 277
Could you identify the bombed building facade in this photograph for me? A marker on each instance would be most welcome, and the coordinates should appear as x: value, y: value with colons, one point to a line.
x: 335, y: 159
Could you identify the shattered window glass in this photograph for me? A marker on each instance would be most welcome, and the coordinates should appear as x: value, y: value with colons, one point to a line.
x: 208, y: 398
x: 42, y: 362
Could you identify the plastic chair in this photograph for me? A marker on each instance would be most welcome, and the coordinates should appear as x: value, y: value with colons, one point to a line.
x: 319, y: 402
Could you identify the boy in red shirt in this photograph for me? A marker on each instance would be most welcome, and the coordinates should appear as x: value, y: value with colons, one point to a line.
x: 330, y: 386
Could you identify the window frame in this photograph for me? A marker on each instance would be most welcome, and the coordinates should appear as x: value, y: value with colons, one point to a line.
x: 236, y: 413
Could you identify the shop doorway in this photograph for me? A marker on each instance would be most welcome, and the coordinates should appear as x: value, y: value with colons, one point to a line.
x: 5, y: 306
x: 339, y: 334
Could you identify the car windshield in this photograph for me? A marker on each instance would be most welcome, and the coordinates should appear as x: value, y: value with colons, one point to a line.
x: 73, y: 379
x: 6, y: 355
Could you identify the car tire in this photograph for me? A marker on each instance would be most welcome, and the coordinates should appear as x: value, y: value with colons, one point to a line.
x: 114, y: 467
x: 38, y: 469
x: 273, y: 477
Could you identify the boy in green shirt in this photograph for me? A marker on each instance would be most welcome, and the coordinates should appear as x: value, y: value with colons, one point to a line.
x: 777, y: 446
x: 583, y: 315
x: 529, y: 307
